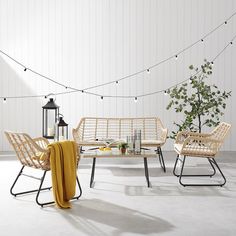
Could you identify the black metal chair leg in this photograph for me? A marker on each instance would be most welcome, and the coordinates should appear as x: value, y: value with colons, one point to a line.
x: 92, y: 172
x: 80, y: 189
x: 146, y: 171
x: 214, y: 170
x: 17, y: 177
x: 176, y: 161
x: 211, y: 161
x: 25, y: 192
x: 52, y: 202
x: 162, y: 160
x: 205, y: 175
x: 181, y: 172
x: 214, y: 161
x: 39, y: 190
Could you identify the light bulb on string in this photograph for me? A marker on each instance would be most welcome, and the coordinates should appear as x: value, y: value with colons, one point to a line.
x: 4, y: 100
x: 148, y: 71
x: 165, y: 93
x: 135, y: 99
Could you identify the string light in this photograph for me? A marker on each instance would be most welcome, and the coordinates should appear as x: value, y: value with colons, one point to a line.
x: 202, y: 40
x: 117, y: 82
x: 176, y: 57
x: 125, y: 77
x: 112, y: 96
x: 135, y: 99
x: 165, y: 93
x: 148, y: 71
x: 4, y: 100
x: 119, y: 96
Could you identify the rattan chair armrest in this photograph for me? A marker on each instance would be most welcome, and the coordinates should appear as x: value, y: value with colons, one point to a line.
x: 163, y: 134
x: 194, y: 143
x: 183, y: 135
x: 200, y: 140
x: 39, y: 143
x: 42, y: 142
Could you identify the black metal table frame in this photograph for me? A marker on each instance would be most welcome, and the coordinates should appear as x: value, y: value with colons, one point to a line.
x: 145, y: 169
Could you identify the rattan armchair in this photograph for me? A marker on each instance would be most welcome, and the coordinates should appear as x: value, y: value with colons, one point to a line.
x: 32, y: 153
x: 204, y: 145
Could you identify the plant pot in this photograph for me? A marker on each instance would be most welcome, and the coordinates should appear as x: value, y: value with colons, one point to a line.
x: 123, y: 150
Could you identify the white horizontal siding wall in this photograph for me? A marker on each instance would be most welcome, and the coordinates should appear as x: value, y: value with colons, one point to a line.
x: 82, y: 43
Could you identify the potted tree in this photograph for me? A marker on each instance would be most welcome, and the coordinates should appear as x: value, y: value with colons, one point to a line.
x: 200, y: 103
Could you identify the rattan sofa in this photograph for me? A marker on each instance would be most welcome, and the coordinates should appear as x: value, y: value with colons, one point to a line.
x: 91, y: 130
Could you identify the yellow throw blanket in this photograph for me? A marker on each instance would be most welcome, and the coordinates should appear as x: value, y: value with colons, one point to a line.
x: 63, y: 168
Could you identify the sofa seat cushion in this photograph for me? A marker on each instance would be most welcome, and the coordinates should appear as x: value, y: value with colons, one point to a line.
x: 151, y: 142
x: 144, y: 143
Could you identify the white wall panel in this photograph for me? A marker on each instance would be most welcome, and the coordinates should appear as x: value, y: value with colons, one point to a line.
x: 82, y: 43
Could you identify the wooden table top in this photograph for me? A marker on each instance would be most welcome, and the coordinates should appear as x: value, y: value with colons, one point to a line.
x: 117, y: 154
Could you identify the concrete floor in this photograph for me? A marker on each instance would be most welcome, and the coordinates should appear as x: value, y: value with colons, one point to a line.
x: 121, y: 204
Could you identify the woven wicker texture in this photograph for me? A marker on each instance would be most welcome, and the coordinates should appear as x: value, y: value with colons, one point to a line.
x: 91, y: 129
x: 201, y: 144
x: 30, y: 152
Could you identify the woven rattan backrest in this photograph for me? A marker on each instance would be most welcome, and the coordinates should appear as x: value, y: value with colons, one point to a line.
x: 221, y: 131
x: 26, y: 149
x: 91, y: 128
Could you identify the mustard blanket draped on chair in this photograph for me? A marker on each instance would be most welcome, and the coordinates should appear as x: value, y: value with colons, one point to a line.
x: 63, y: 168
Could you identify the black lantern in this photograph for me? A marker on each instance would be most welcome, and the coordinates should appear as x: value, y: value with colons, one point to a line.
x: 50, y: 115
x: 61, y: 129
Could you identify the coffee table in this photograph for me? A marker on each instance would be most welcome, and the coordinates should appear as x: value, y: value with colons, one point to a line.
x: 116, y: 154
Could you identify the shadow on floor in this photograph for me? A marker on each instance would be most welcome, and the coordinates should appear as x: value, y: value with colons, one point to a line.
x: 173, y: 191
x: 92, y: 215
x: 162, y: 188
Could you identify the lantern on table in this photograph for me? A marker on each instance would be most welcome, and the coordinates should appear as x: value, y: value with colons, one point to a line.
x: 50, y: 115
x: 61, y: 129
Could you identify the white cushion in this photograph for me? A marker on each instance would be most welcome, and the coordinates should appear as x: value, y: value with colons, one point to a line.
x: 189, y: 150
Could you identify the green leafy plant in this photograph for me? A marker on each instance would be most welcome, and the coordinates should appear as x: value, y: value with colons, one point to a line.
x: 123, y: 145
x: 200, y: 103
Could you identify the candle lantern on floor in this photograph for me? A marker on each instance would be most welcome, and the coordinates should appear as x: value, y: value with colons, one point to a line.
x: 50, y: 115
x: 61, y: 129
